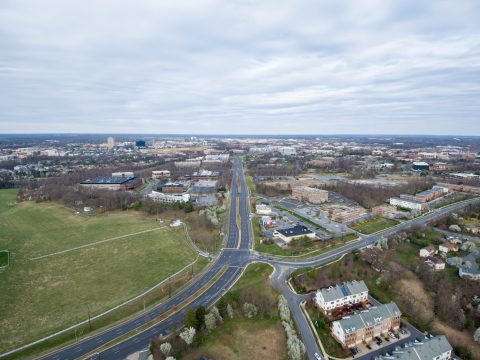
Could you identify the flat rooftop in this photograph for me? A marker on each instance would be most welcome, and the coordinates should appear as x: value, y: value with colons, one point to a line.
x: 108, y: 180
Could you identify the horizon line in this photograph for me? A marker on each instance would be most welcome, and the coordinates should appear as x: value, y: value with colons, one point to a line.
x: 234, y: 135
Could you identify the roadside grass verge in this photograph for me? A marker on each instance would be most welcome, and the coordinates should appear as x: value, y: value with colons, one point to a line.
x: 250, y: 183
x: 374, y: 225
x: 322, y: 328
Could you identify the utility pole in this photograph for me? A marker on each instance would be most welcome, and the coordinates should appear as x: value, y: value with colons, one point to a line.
x: 89, y: 318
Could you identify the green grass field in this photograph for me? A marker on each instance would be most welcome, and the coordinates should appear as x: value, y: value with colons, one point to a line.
x: 371, y: 226
x: 41, y: 296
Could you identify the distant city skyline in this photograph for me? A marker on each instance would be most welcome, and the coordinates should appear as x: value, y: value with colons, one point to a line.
x: 240, y: 68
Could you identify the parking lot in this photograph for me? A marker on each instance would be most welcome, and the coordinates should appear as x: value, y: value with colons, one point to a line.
x: 313, y: 213
x: 379, y: 342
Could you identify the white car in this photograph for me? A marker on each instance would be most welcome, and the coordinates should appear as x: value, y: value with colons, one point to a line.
x: 318, y: 357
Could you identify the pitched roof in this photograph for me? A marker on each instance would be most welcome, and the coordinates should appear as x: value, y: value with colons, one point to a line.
x: 426, y: 350
x: 345, y: 289
x: 369, y: 317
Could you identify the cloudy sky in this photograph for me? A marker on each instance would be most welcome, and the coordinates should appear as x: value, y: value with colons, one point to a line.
x: 240, y: 67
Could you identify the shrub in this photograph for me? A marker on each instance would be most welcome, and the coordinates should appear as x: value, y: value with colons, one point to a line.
x: 283, y: 309
x: 230, y: 312
x: 188, y: 335
x: 210, y: 321
x: 249, y: 310
x: 166, y: 348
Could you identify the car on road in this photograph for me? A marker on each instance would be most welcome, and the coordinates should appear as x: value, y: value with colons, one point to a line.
x: 318, y: 357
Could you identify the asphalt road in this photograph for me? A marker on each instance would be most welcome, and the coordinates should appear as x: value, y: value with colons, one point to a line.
x: 234, y: 257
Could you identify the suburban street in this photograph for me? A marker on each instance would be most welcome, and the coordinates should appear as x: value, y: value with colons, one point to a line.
x: 225, y: 270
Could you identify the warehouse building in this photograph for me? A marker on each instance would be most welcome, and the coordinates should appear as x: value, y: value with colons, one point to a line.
x: 205, y: 175
x: 310, y: 194
x: 168, y: 198
x: 123, y: 174
x: 420, y: 166
x: 171, y: 187
x: 111, y: 183
x: 160, y: 174
x: 204, y: 187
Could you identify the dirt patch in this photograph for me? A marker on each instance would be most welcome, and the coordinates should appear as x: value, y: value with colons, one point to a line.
x: 246, y: 340
x: 410, y: 294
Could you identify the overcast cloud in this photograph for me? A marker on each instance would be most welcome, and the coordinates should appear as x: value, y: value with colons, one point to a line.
x: 240, y: 67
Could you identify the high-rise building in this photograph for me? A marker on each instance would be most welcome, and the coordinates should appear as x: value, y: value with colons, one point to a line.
x: 110, y: 142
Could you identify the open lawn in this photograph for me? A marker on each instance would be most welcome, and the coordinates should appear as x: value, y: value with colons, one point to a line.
x: 371, y: 226
x: 41, y: 296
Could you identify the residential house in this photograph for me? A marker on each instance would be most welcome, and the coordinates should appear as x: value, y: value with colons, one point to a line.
x: 435, y: 263
x: 434, y: 348
x: 364, y: 326
x: 348, y: 293
x: 466, y: 273
x: 427, y: 251
x: 447, y: 247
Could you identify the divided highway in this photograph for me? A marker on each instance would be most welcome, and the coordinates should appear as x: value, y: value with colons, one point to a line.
x: 232, y: 259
